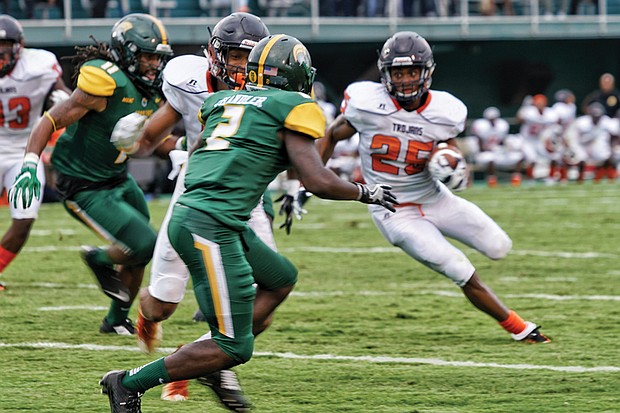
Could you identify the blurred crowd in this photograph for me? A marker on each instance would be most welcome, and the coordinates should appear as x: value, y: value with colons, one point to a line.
x: 30, y: 9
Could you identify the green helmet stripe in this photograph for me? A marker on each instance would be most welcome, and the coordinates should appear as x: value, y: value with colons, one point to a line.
x: 263, y: 57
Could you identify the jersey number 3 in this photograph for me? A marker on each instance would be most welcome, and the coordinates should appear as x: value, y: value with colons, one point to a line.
x: 415, y: 158
x: 21, y: 106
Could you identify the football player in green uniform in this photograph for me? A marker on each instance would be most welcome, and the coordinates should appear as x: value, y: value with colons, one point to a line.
x: 112, y: 81
x: 249, y: 137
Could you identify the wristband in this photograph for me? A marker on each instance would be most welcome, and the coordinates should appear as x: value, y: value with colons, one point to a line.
x: 292, y: 187
x: 360, y: 191
x: 31, y: 157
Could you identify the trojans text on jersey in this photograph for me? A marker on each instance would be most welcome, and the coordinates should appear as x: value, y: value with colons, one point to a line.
x: 409, y: 129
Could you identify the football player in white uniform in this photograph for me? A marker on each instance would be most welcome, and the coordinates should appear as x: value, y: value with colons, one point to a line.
x: 534, y: 118
x: 495, y: 149
x: 400, y: 122
x: 187, y: 81
x: 589, y: 141
x: 30, y: 80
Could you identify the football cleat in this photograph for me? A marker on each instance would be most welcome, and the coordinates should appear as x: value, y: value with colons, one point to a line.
x: 225, y: 385
x: 199, y: 316
x: 531, y: 334
x: 107, y: 278
x: 175, y: 391
x: 148, y: 334
x: 125, y: 328
x: 3, y: 286
x: 121, y: 399
x: 536, y: 337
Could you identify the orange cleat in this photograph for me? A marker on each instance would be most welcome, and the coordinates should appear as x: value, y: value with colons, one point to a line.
x: 515, y: 180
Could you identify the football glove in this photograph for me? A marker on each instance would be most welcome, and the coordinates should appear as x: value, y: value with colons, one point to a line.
x: 291, y: 205
x: 58, y: 96
x: 26, y: 186
x: 127, y: 131
x: 377, y: 194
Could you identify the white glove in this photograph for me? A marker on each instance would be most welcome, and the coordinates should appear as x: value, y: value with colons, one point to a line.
x: 58, y: 96
x: 178, y: 158
x: 127, y: 131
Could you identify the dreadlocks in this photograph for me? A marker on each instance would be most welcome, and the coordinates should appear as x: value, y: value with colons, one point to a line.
x: 98, y: 50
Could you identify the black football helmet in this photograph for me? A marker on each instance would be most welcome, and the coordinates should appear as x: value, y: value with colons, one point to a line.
x: 11, y: 30
x: 406, y: 49
x: 140, y: 33
x: 280, y: 62
x: 236, y: 31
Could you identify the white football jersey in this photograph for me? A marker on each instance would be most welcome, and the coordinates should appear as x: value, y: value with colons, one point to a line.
x: 533, y: 122
x: 491, y: 134
x: 186, y: 86
x: 22, y: 96
x: 395, y: 144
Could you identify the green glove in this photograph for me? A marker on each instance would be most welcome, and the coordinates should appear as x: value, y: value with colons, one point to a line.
x: 27, y: 186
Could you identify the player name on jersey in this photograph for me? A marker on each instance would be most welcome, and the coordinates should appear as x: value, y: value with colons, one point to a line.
x: 240, y: 99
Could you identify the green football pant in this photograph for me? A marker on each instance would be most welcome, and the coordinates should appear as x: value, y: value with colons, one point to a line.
x: 218, y: 260
x: 119, y: 215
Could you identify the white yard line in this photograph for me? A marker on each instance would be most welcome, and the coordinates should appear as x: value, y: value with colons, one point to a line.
x: 315, y: 294
x: 376, y: 250
x: 331, y: 357
x: 74, y: 307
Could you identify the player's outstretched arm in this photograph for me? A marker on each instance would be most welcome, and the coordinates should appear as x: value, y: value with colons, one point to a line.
x: 323, y: 182
x: 339, y: 130
x: 27, y: 186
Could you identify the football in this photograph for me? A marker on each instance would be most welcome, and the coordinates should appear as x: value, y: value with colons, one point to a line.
x: 447, y: 165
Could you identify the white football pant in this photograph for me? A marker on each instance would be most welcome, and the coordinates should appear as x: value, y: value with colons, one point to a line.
x: 420, y: 231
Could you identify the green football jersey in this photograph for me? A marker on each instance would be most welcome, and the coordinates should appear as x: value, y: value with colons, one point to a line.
x: 243, y: 152
x: 84, y: 150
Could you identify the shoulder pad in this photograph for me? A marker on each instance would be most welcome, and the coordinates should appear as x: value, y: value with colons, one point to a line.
x: 368, y: 97
x: 100, y: 78
x: 39, y: 62
x: 187, y: 72
x: 445, y: 109
x: 307, y: 118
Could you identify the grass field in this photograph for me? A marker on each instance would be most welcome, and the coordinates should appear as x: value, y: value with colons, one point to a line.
x: 367, y: 329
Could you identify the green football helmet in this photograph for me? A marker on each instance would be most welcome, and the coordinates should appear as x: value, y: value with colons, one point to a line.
x: 140, y: 33
x: 280, y: 62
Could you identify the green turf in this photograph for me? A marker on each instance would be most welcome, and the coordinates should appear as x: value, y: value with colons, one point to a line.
x: 407, y: 339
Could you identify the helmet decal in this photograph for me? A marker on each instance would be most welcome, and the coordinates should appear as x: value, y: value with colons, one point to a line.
x: 261, y: 62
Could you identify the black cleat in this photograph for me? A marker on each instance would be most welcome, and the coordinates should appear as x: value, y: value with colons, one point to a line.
x: 536, y: 337
x: 199, y: 317
x: 226, y: 386
x: 125, y: 328
x: 107, y: 278
x: 531, y: 335
x: 121, y: 399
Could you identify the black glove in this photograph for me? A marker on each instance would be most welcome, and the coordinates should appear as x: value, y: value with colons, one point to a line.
x: 377, y: 194
x: 287, y: 208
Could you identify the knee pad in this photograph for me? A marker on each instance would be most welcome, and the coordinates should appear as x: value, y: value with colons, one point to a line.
x: 500, y: 249
x: 168, y: 287
x: 239, y: 349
